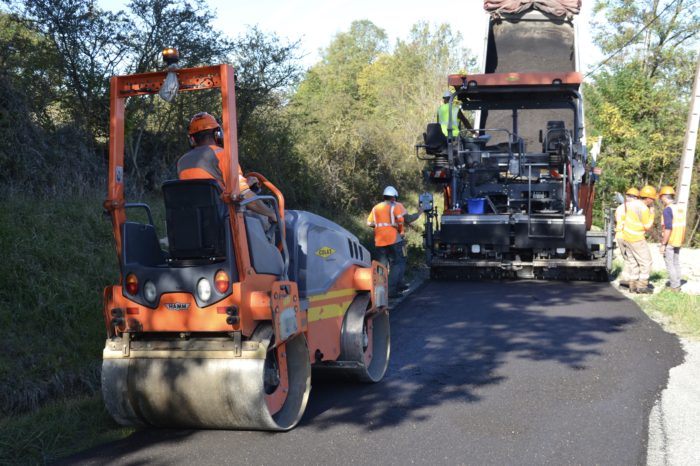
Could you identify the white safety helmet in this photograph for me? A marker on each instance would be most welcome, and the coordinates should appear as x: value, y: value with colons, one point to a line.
x: 447, y: 95
x: 391, y: 191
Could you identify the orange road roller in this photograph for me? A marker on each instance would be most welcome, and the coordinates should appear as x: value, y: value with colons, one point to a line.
x: 221, y: 328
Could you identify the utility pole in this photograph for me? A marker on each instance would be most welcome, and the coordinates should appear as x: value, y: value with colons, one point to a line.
x: 685, y: 173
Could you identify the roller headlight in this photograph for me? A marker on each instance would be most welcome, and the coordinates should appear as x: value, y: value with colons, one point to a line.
x: 204, y: 289
x: 149, y: 291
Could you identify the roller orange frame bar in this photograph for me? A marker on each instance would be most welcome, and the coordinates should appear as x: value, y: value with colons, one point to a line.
x: 189, y: 79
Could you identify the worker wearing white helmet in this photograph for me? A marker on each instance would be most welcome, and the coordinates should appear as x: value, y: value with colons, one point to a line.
x: 443, y: 115
x: 388, y: 219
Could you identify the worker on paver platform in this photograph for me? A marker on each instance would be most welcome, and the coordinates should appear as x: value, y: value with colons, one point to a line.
x: 206, y: 161
x: 443, y: 116
x: 673, y: 235
x: 639, y: 219
x: 631, y: 195
x: 387, y: 219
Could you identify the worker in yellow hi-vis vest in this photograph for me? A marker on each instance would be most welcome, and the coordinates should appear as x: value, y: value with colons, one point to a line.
x: 639, y: 219
x: 443, y: 116
x: 673, y: 235
x: 631, y: 195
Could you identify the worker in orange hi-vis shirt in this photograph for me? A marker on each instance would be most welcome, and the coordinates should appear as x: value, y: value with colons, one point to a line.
x: 206, y: 160
x: 387, y: 219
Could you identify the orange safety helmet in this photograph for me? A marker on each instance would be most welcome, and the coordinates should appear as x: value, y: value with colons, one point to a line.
x: 648, y: 192
x: 632, y: 192
x: 203, y: 121
x: 667, y: 190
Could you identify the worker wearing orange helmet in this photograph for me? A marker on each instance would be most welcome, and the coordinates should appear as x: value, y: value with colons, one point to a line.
x: 631, y: 195
x: 673, y: 235
x: 387, y: 219
x: 207, y: 161
x: 639, y: 218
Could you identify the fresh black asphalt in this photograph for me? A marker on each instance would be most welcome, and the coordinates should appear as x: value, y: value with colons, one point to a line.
x: 481, y: 373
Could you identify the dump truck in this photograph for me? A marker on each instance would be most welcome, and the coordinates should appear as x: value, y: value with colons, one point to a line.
x: 222, y: 328
x: 518, y: 187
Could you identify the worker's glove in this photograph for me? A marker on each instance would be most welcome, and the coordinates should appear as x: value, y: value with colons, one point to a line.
x: 254, y: 184
x: 662, y: 249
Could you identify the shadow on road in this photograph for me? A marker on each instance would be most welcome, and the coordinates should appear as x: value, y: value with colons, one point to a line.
x: 453, y: 343
x: 450, y: 339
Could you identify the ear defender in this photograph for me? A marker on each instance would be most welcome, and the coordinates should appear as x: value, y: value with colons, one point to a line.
x: 219, y: 136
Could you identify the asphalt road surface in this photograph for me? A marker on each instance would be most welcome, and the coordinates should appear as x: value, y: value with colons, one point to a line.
x: 480, y: 373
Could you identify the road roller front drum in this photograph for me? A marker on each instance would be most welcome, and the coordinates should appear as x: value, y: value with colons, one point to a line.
x: 265, y: 388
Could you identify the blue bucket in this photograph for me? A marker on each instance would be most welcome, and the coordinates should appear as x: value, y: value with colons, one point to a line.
x: 476, y: 205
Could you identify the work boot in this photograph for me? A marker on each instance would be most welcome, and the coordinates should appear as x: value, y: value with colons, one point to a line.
x: 624, y: 283
x: 632, y: 286
x: 643, y: 287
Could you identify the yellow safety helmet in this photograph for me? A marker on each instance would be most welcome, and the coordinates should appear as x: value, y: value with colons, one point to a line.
x: 632, y: 192
x: 667, y: 190
x: 648, y: 192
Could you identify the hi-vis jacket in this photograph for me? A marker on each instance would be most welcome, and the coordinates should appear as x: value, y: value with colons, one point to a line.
x: 638, y: 220
x: 208, y: 163
x: 387, y: 220
x: 620, y: 219
x: 443, y: 117
x: 677, y: 227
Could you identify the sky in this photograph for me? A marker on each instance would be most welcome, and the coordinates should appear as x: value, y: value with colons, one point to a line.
x: 315, y: 22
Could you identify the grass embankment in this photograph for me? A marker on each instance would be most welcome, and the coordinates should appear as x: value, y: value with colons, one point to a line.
x: 56, y: 430
x: 679, y: 312
x: 57, y: 257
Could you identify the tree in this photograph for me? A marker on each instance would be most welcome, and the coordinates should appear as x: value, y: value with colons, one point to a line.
x: 359, y: 112
x: 90, y: 46
x: 60, y: 54
x: 653, y: 33
x: 638, y: 101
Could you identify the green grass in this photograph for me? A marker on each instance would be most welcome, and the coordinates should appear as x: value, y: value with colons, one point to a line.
x: 616, y: 269
x: 57, y: 430
x: 58, y: 255
x: 679, y: 311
